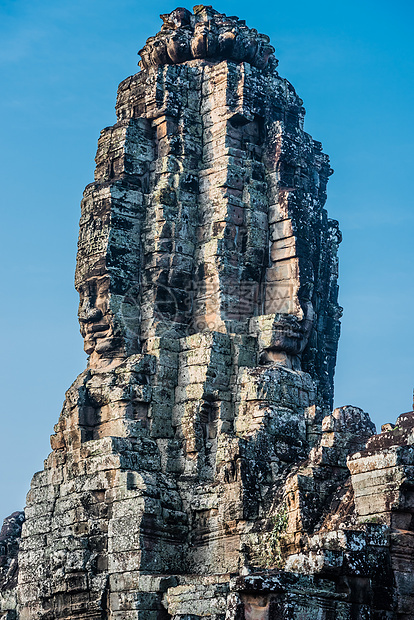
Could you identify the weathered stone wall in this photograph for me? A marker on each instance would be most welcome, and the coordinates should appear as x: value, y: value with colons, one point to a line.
x: 196, y: 469
x: 9, y: 546
x: 207, y: 215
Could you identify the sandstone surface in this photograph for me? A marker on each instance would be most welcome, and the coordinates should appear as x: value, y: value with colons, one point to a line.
x: 197, y: 469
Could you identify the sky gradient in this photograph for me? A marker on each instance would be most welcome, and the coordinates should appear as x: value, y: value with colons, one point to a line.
x: 60, y: 63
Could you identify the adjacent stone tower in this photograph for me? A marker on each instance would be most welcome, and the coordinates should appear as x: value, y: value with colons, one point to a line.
x: 196, y: 459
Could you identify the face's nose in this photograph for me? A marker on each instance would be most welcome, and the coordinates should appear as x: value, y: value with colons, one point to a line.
x: 88, y: 314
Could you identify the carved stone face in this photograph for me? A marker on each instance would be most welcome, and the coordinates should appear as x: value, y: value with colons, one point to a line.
x: 289, y: 335
x: 95, y: 318
x: 206, y: 34
x: 177, y: 18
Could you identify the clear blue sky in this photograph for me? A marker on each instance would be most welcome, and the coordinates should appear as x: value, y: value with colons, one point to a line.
x: 60, y: 64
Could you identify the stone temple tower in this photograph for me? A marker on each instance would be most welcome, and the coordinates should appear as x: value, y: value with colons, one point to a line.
x: 196, y: 469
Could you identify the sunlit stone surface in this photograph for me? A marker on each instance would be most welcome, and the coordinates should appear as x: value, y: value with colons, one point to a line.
x: 197, y: 470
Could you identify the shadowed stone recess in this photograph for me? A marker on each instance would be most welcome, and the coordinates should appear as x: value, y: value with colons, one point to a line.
x: 197, y: 468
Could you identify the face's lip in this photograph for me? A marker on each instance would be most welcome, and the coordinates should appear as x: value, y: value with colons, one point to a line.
x: 94, y: 332
x: 93, y: 337
x: 97, y: 327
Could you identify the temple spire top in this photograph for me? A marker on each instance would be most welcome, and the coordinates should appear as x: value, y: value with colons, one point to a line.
x: 206, y: 34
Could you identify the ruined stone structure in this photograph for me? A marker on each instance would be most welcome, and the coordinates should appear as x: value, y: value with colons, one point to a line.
x: 197, y: 470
